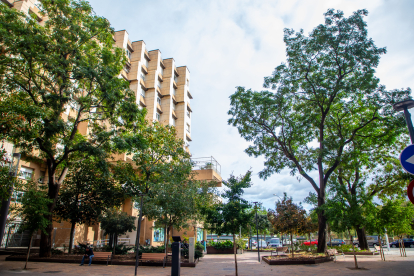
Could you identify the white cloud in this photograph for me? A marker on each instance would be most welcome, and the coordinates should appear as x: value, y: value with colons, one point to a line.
x: 236, y: 43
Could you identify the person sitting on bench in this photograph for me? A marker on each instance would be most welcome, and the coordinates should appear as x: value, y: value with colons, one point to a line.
x: 89, y: 254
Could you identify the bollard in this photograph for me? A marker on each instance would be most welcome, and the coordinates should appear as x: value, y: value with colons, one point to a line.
x: 191, y: 249
x: 176, y: 256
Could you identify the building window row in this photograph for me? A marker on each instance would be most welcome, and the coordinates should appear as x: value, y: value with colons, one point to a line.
x: 158, y: 100
x: 158, y: 116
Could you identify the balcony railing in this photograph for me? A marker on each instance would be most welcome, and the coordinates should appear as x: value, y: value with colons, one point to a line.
x: 206, y: 163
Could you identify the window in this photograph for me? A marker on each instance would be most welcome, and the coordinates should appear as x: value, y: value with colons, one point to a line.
x: 143, y: 77
x: 188, y: 114
x: 161, y: 71
x: 17, y: 196
x: 188, y: 82
x: 175, y: 78
x: 173, y: 121
x: 128, y: 53
x: 159, y: 100
x: 173, y: 106
x: 126, y: 68
x: 174, y: 91
x: 25, y: 173
x: 158, y: 234
x: 146, y: 62
x: 142, y: 92
x: 42, y: 177
x: 158, y: 116
x: 188, y: 128
x: 158, y: 83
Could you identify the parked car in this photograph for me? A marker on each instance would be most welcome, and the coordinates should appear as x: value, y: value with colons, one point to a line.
x: 254, y: 243
x: 311, y: 242
x: 274, y: 242
x: 407, y: 243
x: 372, y: 240
x: 262, y: 244
x: 335, y: 242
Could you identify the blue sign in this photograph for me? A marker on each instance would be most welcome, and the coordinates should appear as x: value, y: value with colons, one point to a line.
x: 407, y: 159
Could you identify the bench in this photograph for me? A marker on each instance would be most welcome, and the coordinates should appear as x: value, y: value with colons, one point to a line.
x: 103, y: 256
x: 334, y: 253
x: 279, y: 249
x: 153, y: 257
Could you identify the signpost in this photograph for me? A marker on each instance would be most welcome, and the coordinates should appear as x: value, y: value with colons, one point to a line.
x: 407, y: 159
x: 410, y: 191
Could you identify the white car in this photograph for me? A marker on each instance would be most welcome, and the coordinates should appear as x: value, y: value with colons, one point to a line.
x: 275, y: 242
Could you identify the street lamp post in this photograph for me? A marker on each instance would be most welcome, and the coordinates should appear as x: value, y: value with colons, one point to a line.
x: 4, y: 211
x: 257, y: 233
x: 404, y: 106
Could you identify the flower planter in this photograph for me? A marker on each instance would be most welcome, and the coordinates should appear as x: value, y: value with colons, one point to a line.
x: 295, y: 261
x: 212, y: 250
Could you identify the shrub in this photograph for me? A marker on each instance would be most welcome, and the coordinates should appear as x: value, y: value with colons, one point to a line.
x: 120, y: 249
x: 56, y: 251
x: 221, y: 245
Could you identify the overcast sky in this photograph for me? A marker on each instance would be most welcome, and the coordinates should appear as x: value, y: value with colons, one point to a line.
x: 237, y: 43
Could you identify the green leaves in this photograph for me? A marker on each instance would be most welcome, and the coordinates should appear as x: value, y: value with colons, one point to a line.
x: 228, y: 217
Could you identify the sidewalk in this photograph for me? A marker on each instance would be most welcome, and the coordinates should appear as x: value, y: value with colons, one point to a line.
x: 224, y: 265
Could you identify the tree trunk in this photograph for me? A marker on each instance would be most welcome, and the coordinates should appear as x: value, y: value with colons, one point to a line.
x: 400, y: 246
x: 403, y: 247
x: 322, y: 224
x: 28, y: 250
x: 353, y: 249
x: 381, y: 250
x: 291, y: 244
x: 113, y: 244
x: 53, y: 193
x: 72, y: 230
x: 362, y: 238
x: 235, y: 252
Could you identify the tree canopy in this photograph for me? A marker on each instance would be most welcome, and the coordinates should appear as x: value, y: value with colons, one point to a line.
x: 60, y: 78
x: 324, y: 97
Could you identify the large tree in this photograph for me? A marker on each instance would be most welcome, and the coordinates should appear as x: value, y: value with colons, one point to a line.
x: 89, y: 190
x: 227, y: 217
x: 325, y: 96
x: 60, y: 77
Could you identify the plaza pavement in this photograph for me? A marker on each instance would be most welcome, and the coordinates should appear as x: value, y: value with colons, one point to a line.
x: 224, y: 265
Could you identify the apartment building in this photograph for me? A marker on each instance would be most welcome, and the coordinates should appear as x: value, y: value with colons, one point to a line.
x: 163, y: 89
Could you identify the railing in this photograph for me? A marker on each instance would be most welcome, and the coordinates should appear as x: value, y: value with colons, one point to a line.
x: 206, y: 163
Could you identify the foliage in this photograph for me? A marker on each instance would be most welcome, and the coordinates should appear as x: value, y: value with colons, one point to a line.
x: 115, y: 222
x: 67, y: 64
x: 199, y: 246
x: 5, y: 179
x: 150, y: 249
x: 88, y: 191
x: 56, y: 251
x: 394, y: 215
x: 221, y: 245
x: 288, y: 217
x: 230, y: 216
x: 241, y: 243
x: 34, y: 208
x: 325, y: 96
x: 120, y: 249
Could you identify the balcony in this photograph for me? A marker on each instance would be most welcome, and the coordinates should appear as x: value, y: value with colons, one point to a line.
x: 208, y: 169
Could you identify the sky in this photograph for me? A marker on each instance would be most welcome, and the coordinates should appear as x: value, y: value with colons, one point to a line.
x: 237, y: 43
